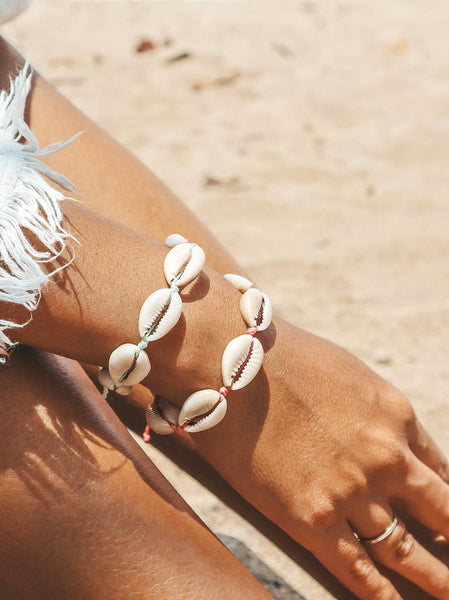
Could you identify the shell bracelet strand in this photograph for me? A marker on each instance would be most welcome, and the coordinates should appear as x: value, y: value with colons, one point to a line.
x: 241, y: 361
x: 129, y: 363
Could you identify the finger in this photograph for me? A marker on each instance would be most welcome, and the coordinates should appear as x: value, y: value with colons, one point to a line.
x: 425, y: 496
x: 346, y: 558
x: 370, y: 520
x: 427, y: 450
x: 401, y: 552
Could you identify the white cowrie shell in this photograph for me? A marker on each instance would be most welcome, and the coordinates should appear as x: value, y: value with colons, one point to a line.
x: 200, y: 403
x: 242, y: 359
x: 239, y: 282
x: 174, y: 239
x: 105, y: 379
x: 183, y: 263
x: 159, y: 313
x: 256, y: 309
x: 160, y: 414
x: 128, y: 357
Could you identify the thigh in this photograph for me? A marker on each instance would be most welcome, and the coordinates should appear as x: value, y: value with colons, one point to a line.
x: 84, y: 513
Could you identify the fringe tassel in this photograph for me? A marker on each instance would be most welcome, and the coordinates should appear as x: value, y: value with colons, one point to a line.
x: 28, y: 205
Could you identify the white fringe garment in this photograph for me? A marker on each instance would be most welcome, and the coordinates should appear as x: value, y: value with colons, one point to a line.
x: 28, y: 205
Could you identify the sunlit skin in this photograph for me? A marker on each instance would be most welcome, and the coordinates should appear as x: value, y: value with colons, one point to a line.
x: 317, y: 442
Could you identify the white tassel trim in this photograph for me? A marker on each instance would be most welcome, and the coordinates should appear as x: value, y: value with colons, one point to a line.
x: 28, y: 205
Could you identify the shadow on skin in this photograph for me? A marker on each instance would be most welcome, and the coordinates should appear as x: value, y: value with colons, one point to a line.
x: 29, y: 452
x: 49, y: 426
x: 82, y: 507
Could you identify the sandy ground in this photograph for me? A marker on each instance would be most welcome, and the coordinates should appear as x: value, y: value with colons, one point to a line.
x: 312, y: 138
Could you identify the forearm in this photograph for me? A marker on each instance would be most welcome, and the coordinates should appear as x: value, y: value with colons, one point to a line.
x: 93, y: 306
x: 115, y: 269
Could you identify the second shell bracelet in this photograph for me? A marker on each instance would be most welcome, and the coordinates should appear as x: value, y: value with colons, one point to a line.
x: 241, y: 361
x: 129, y: 363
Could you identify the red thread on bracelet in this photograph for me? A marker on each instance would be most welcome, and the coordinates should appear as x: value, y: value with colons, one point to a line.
x: 224, y: 391
x: 146, y: 434
x: 251, y: 331
x: 177, y: 428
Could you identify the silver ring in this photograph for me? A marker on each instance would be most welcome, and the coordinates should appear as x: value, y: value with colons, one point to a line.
x: 382, y: 536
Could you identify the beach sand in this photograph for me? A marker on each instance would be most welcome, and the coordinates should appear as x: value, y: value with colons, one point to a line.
x: 312, y: 138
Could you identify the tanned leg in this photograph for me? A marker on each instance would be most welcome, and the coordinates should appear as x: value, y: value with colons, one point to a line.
x: 84, y: 514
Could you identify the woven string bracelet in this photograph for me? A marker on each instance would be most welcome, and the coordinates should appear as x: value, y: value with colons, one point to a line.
x: 129, y: 363
x: 241, y: 361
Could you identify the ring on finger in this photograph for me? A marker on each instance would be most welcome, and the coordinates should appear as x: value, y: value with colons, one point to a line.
x: 380, y: 537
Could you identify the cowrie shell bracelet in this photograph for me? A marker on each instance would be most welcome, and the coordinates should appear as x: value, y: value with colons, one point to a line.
x: 129, y: 363
x: 240, y: 363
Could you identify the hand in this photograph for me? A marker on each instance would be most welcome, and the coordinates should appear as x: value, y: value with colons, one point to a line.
x: 324, y: 448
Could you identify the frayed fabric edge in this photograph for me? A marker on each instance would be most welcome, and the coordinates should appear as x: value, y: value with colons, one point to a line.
x: 29, y: 209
